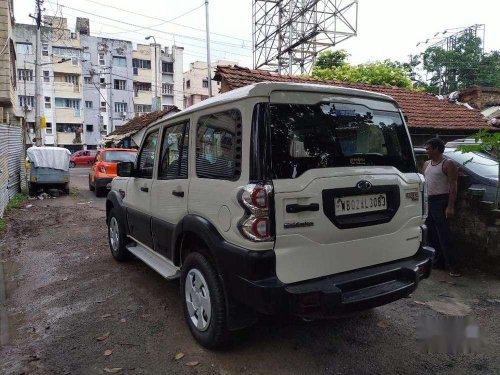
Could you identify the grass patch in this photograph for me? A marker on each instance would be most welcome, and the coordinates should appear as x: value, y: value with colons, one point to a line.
x: 16, y: 202
x: 73, y: 191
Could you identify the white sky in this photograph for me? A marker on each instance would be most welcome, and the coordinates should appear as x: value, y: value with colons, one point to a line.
x: 387, y: 29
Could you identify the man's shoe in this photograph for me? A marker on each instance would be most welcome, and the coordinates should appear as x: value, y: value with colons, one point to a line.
x: 455, y: 274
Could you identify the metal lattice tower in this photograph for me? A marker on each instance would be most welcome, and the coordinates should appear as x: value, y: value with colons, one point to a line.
x: 288, y: 34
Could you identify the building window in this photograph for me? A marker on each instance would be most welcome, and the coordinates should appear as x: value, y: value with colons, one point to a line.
x: 26, y: 101
x: 88, y: 104
x: 66, y: 52
x: 67, y: 103
x: 48, y: 104
x: 167, y: 89
x: 142, y: 64
x: 87, y: 80
x: 89, y: 127
x: 71, y: 78
x: 103, y: 107
x: 102, y: 82
x: 142, y: 86
x: 24, y: 48
x: 120, y: 84
x: 167, y: 67
x: 25, y: 74
x: 142, y: 108
x: 45, y: 49
x: 188, y: 84
x: 205, y: 83
x: 48, y: 128
x: 67, y: 128
x: 217, y: 151
x: 102, y: 61
x: 119, y: 61
x: 46, y: 77
x: 120, y: 107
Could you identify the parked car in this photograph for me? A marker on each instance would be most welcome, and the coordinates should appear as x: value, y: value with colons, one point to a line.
x: 48, y: 168
x: 103, y: 169
x: 82, y: 157
x: 275, y: 198
x: 481, y: 168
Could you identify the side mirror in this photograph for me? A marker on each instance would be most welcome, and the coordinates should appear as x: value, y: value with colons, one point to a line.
x: 125, y: 169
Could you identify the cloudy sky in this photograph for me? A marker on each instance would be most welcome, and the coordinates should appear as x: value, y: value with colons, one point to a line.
x: 386, y: 28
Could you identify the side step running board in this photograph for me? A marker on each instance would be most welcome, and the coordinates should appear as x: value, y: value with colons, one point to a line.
x: 154, y: 260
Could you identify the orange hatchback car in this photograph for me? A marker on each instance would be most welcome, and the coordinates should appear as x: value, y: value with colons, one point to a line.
x: 104, y: 168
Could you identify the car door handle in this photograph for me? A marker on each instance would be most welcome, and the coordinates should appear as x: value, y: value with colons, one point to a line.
x: 178, y: 193
x: 144, y: 189
x: 294, y: 208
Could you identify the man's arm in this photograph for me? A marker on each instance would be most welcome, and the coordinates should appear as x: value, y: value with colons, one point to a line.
x: 451, y: 171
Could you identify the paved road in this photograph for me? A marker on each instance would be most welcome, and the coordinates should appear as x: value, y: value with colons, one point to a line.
x: 68, y: 303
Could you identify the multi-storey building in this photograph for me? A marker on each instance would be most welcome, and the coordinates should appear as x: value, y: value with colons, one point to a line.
x: 91, y: 85
x: 8, y: 73
x: 196, y: 81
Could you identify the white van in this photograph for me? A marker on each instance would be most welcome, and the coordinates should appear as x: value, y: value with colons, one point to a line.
x: 275, y: 198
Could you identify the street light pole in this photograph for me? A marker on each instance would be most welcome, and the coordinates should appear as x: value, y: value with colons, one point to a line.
x: 209, y: 64
x: 156, y: 73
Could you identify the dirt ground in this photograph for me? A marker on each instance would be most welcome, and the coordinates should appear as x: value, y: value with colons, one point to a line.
x: 66, y: 307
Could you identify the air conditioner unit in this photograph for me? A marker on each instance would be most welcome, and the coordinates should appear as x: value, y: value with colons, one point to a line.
x: 27, y: 108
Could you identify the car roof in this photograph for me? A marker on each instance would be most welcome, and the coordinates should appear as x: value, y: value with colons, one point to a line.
x: 118, y: 149
x: 265, y: 89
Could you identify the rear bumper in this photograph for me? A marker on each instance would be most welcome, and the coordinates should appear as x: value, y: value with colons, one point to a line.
x: 337, y: 294
x: 102, y: 182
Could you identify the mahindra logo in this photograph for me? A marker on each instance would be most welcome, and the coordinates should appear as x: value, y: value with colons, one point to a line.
x: 364, y: 185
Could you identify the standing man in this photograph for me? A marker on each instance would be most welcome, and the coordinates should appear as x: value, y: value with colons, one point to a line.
x: 441, y: 178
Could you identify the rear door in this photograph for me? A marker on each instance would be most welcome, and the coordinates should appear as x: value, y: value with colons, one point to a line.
x: 346, y: 192
x: 138, y: 194
x: 170, y: 188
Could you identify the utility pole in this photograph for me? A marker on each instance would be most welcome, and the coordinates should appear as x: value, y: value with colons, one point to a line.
x: 38, y: 18
x: 209, y: 64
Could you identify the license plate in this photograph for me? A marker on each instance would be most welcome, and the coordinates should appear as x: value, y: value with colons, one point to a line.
x: 360, y: 203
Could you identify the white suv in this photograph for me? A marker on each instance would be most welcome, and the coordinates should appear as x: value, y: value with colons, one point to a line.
x: 278, y: 199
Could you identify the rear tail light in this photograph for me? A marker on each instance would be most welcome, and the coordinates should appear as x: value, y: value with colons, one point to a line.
x: 256, y: 225
x: 101, y: 168
x: 425, y: 196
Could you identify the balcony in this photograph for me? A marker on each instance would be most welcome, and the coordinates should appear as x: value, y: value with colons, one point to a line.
x: 71, y: 66
x: 143, y: 97
x: 67, y: 90
x: 64, y: 138
x: 69, y: 115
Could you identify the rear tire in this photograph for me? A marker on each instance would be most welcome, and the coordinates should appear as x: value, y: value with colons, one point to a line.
x: 204, y: 303
x: 91, y: 187
x: 116, y: 237
x: 99, y: 191
x: 32, y: 189
x: 66, y: 188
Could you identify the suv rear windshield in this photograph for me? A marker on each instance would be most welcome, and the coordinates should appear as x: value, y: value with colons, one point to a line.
x: 117, y: 156
x: 324, y: 135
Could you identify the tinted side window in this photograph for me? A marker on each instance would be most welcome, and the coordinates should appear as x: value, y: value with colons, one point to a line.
x: 174, y: 152
x: 146, y: 160
x: 218, y: 146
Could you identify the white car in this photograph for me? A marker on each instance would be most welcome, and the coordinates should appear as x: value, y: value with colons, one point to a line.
x: 275, y: 198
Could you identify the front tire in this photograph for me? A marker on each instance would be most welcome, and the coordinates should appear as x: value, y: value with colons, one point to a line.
x: 71, y: 164
x: 32, y: 189
x: 116, y: 237
x: 204, y: 303
x: 91, y: 187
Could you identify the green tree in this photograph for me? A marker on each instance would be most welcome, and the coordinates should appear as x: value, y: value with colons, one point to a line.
x: 462, y: 66
x: 489, y: 142
x: 330, y: 59
x: 376, y: 73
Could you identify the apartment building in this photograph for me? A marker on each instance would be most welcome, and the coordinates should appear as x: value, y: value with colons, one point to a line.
x: 61, y: 92
x: 160, y: 77
x: 8, y: 73
x: 196, y: 81
x: 92, y: 85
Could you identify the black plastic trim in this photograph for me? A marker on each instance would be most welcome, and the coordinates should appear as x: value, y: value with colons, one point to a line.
x: 366, y: 218
x: 114, y: 200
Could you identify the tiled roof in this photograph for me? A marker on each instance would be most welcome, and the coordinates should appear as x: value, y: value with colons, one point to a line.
x: 424, y: 110
x: 140, y: 122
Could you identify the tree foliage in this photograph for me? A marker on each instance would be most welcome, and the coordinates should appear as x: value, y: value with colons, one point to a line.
x: 461, y: 66
x: 330, y: 59
x: 386, y: 73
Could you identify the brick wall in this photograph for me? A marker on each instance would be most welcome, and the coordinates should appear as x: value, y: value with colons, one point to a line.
x: 476, y: 230
x: 480, y: 98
